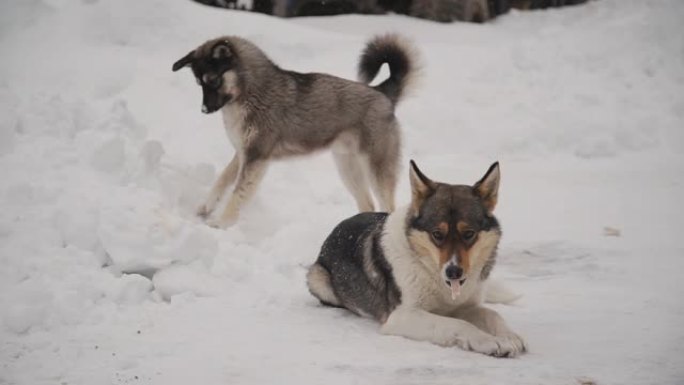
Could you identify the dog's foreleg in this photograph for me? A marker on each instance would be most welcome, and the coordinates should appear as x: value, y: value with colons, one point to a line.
x: 418, y: 324
x: 226, y: 178
x: 251, y: 173
x: 491, y: 322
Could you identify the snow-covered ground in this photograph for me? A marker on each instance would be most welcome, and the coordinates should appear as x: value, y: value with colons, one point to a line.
x: 106, y: 276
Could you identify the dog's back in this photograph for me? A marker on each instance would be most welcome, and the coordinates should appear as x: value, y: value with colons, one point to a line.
x: 314, y: 108
x: 310, y: 110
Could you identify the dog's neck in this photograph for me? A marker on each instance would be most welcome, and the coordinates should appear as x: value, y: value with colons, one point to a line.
x: 256, y: 75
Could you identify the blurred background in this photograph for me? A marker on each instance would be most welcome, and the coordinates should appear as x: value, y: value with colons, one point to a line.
x: 477, y: 11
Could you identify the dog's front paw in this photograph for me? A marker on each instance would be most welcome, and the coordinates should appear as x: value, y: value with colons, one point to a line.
x: 480, y: 343
x: 218, y: 224
x: 222, y: 223
x: 203, y: 211
x: 511, y: 344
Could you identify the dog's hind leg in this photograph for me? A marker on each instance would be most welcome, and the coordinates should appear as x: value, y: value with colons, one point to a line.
x: 354, y: 179
x: 249, y: 177
x: 318, y: 281
x: 226, y: 178
x: 382, y: 173
x: 383, y: 184
x: 382, y: 164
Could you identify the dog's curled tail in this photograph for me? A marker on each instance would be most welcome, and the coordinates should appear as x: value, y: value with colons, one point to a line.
x: 400, y: 56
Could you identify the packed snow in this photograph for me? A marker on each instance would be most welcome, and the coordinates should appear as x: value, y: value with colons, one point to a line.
x: 108, y: 277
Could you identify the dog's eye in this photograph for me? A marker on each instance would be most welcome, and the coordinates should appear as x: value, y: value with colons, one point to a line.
x: 437, y: 236
x: 212, y: 81
x: 468, y: 235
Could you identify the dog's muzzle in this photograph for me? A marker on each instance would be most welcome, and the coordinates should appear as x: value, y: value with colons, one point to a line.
x: 208, y: 108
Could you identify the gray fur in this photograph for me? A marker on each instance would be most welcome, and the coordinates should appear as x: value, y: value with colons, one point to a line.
x: 284, y: 113
x: 488, y: 267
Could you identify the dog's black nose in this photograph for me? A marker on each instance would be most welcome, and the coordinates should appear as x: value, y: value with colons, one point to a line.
x: 454, y: 272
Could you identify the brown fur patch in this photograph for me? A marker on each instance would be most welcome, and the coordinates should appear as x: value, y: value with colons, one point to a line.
x: 423, y: 246
x: 445, y: 254
x: 462, y: 226
x: 464, y: 258
x: 483, y: 247
x: 447, y: 249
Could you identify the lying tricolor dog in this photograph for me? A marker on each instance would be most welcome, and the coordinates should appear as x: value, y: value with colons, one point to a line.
x: 270, y: 113
x: 421, y: 270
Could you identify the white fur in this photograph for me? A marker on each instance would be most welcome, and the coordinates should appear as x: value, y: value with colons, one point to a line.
x: 226, y: 178
x: 352, y: 167
x: 230, y: 84
x: 248, y: 179
x: 318, y: 281
x: 497, y: 292
x: 233, y: 119
x: 427, y: 311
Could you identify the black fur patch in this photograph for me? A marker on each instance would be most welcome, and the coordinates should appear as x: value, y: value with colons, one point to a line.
x: 452, y: 204
x: 212, y: 97
x: 388, y: 51
x: 360, y: 275
x: 488, y: 267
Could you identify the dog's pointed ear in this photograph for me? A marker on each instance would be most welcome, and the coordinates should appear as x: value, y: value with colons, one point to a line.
x: 184, y: 61
x: 221, y: 50
x: 421, y: 186
x: 487, y: 188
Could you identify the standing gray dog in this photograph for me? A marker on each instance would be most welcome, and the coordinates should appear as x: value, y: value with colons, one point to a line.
x: 271, y: 113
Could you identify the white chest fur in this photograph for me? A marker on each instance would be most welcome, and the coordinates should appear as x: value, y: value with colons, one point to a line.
x: 233, y: 121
